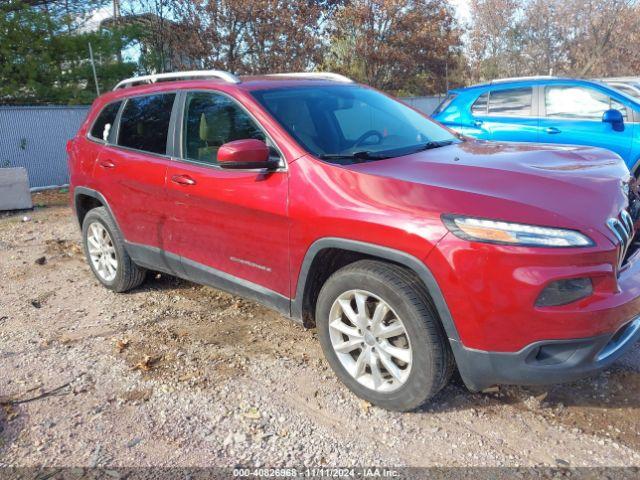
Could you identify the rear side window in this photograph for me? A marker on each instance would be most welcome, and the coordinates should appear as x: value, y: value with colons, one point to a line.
x: 144, y: 124
x: 515, y: 102
x: 444, y: 104
x: 102, y: 126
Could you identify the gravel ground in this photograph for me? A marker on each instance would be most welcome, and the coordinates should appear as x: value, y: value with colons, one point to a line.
x: 176, y: 374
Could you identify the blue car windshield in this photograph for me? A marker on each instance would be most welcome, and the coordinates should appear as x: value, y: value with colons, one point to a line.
x: 349, y: 121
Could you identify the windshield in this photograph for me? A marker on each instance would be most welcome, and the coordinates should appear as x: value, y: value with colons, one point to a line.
x: 342, y: 122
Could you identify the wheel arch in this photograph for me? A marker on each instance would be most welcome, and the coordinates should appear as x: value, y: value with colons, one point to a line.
x: 86, y: 199
x: 319, y: 264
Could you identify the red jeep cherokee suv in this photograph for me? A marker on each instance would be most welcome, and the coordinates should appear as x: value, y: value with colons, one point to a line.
x: 412, y: 250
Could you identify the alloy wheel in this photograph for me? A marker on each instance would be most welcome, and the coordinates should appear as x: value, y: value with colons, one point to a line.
x: 370, y: 341
x: 102, y: 252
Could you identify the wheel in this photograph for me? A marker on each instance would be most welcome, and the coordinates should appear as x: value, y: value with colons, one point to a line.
x: 105, y: 252
x: 381, y: 335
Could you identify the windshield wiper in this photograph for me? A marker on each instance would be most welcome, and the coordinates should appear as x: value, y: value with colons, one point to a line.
x: 433, y: 144
x: 364, y: 155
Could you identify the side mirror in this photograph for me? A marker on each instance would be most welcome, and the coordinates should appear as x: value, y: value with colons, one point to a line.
x: 246, y: 154
x: 615, y: 118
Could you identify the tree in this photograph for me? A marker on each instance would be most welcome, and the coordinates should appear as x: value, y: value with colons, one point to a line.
x: 402, y: 46
x: 255, y: 36
x: 44, y: 54
x: 573, y: 37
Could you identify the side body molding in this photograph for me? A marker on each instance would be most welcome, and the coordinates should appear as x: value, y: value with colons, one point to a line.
x: 386, y: 253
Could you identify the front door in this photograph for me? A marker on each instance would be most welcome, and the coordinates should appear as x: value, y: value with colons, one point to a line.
x: 572, y: 115
x: 228, y: 224
x: 504, y: 115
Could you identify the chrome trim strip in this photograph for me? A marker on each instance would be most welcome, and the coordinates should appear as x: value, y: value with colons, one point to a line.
x: 630, y: 330
x: 336, y: 77
x: 220, y: 74
x: 623, y: 229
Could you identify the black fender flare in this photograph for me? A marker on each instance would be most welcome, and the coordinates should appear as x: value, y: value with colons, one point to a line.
x: 386, y: 253
x: 89, y: 192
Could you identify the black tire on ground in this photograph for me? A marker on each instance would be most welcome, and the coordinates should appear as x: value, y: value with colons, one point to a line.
x: 432, y: 362
x: 128, y: 274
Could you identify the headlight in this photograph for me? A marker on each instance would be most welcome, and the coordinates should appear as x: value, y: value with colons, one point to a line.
x: 506, y: 233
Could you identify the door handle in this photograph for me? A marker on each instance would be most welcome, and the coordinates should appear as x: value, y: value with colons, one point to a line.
x: 106, y: 164
x: 552, y: 130
x: 477, y: 123
x: 183, y: 180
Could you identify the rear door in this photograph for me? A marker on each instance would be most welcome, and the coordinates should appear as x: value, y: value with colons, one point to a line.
x: 505, y: 115
x: 131, y: 173
x: 572, y: 115
x: 226, y: 224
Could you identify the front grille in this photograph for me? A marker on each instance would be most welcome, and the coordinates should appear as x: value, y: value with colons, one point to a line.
x: 622, y: 228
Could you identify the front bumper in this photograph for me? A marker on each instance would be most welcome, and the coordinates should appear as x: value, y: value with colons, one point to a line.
x: 544, y: 362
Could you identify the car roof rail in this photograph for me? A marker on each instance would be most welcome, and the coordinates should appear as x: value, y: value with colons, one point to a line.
x: 336, y: 77
x: 530, y: 77
x: 619, y: 79
x: 159, y: 77
x: 516, y: 79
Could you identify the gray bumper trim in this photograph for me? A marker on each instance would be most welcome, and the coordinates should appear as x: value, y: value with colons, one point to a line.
x: 544, y: 362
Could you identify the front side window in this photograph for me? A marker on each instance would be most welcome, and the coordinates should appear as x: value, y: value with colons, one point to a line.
x: 629, y: 90
x: 515, y: 102
x: 579, y: 103
x: 210, y: 120
x: 102, y: 126
x: 347, y: 121
x: 144, y: 124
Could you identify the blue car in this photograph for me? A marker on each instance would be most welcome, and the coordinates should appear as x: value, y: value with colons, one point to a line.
x: 547, y: 110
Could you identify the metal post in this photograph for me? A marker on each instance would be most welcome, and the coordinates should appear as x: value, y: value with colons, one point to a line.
x: 93, y: 66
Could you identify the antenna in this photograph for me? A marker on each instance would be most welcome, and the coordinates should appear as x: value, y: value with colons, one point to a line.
x: 93, y: 67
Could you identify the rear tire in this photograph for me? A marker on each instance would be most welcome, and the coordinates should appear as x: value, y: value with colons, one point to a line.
x: 407, y: 358
x: 105, y: 252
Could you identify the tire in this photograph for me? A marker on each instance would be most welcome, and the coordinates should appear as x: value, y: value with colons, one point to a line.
x: 431, y: 360
x: 126, y: 275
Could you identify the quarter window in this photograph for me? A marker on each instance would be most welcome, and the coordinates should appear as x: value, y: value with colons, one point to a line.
x: 444, y: 104
x: 102, y: 126
x: 579, y: 102
x: 211, y: 120
x: 480, y: 105
x: 145, y: 123
x: 515, y: 102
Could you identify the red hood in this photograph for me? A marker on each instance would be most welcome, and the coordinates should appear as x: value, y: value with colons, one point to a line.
x: 571, y: 187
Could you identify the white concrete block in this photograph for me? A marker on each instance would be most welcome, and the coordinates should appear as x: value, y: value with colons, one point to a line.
x: 14, y: 189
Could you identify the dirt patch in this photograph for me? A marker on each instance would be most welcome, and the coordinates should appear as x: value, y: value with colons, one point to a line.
x: 179, y: 374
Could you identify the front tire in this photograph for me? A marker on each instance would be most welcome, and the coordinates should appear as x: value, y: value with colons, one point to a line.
x: 104, y: 248
x: 381, y: 335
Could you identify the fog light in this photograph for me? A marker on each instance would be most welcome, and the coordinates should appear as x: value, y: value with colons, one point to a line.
x: 562, y: 292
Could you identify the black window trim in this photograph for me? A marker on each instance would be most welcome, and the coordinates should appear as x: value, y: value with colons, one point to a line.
x: 176, y: 143
x: 114, y: 127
